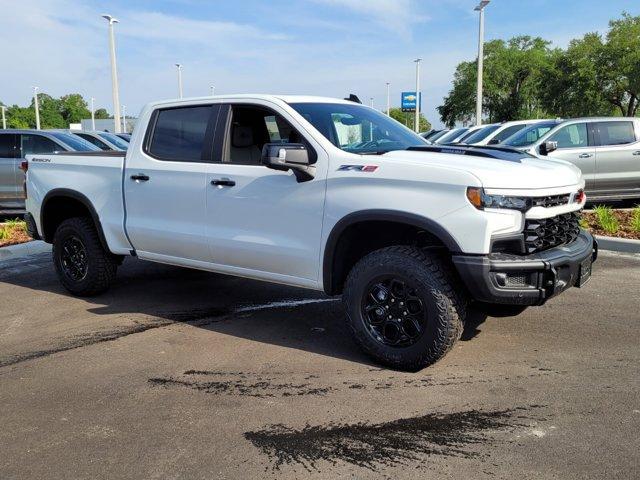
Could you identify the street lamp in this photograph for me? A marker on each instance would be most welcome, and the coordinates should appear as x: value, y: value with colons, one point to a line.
x: 4, y: 120
x: 93, y: 114
x: 35, y: 104
x: 417, y: 124
x: 388, y: 101
x: 480, y: 8
x: 124, y: 118
x: 114, y: 72
x: 213, y: 90
x: 179, y: 79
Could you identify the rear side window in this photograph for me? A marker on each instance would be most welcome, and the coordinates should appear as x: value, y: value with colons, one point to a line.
x: 615, y: 133
x: 179, y: 133
x: 571, y: 136
x: 95, y: 141
x: 506, y: 133
x: 7, y: 145
x: 31, y: 144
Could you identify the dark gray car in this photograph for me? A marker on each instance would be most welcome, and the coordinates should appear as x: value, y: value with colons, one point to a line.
x: 14, y: 146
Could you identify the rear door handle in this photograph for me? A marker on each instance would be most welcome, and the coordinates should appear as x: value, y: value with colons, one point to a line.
x: 585, y: 155
x: 223, y: 182
x: 141, y: 177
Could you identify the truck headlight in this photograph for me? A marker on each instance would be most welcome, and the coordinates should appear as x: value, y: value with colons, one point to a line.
x: 481, y: 200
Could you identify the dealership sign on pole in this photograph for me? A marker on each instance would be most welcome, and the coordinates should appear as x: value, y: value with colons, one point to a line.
x: 408, y: 101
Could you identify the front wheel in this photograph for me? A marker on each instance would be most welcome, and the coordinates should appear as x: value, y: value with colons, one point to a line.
x: 404, y: 307
x: 83, y: 266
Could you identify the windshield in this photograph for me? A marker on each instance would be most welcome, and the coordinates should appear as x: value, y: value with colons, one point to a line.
x: 115, y: 140
x: 438, y: 135
x: 358, y: 129
x: 452, y: 135
x: 481, y: 134
x: 75, y: 142
x: 529, y: 135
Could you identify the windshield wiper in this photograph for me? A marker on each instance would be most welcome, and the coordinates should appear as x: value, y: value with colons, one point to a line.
x: 377, y: 152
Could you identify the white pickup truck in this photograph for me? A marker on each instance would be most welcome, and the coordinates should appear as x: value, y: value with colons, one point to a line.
x: 322, y: 194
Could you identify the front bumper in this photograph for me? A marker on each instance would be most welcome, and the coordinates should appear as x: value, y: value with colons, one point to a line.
x: 528, y: 279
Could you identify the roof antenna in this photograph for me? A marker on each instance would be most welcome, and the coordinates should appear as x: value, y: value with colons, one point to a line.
x: 353, y: 98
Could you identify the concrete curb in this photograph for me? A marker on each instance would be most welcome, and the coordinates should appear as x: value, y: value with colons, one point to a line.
x: 622, y: 245
x: 24, y: 249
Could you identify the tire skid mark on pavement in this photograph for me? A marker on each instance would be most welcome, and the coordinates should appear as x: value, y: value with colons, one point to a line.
x: 196, y: 317
x: 394, y: 443
x: 291, y: 384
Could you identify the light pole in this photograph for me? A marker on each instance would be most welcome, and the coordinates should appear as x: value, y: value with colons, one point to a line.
x: 93, y: 114
x: 417, y: 124
x: 124, y: 118
x: 114, y: 72
x: 179, y: 80
x: 371, y: 102
x: 388, y: 101
x: 4, y: 120
x: 213, y: 90
x: 480, y: 8
x: 35, y: 104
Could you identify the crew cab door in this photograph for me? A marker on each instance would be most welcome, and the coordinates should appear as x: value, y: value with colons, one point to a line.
x: 165, y: 186
x: 263, y: 222
x: 8, y: 171
x: 617, y: 157
x: 575, y: 145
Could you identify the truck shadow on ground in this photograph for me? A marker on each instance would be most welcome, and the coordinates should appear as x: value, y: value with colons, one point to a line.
x: 274, y: 314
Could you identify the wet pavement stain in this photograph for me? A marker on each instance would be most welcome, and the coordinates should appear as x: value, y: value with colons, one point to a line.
x: 385, y: 444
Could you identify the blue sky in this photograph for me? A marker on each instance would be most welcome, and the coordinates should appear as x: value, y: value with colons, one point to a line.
x: 318, y: 47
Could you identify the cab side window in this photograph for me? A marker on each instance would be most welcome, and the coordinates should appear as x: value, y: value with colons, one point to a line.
x: 249, y: 128
x: 37, y: 144
x: 571, y: 136
x: 615, y: 133
x: 178, y: 134
x: 8, y: 145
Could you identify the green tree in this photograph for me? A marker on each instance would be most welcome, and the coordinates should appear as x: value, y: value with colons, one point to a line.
x: 101, y: 114
x: 50, y: 112
x: 73, y: 108
x: 409, y: 119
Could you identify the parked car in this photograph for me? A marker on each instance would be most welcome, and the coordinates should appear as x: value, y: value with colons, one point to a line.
x: 102, y: 140
x: 468, y: 133
x: 607, y: 151
x: 436, y: 136
x: 323, y: 194
x: 451, y: 136
x: 15, y: 145
x: 479, y: 131
x: 497, y: 133
x: 431, y: 133
x: 125, y: 136
x: 527, y: 136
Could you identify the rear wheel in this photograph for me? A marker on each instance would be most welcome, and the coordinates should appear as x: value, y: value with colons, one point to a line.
x: 403, y: 307
x: 83, y: 266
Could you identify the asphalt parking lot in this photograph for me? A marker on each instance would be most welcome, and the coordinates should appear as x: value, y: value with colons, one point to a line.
x: 184, y: 374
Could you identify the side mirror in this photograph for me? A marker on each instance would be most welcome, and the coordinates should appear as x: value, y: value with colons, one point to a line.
x: 288, y: 156
x: 547, y: 147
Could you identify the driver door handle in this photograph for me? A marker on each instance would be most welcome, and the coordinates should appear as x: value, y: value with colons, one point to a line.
x: 585, y: 155
x: 223, y: 182
x: 141, y: 177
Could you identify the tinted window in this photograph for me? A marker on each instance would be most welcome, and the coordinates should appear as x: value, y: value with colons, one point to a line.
x: 480, y: 135
x: 615, y: 133
x: 7, y: 145
x: 530, y: 135
x: 506, y: 133
x: 452, y: 135
x: 38, y: 144
x: 95, y: 141
x: 250, y: 128
x: 74, y: 142
x: 115, y: 140
x: 179, y: 133
x: 571, y: 136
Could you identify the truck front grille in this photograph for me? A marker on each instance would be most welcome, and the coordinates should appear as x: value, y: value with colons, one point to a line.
x: 551, y: 232
x: 551, y: 201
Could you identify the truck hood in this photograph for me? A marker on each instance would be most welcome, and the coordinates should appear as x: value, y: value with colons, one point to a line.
x: 525, y: 173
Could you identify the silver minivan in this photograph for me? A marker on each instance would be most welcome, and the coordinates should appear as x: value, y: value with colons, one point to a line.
x: 14, y: 146
x: 607, y: 150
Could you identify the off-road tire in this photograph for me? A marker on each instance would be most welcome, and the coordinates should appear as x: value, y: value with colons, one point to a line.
x: 101, y: 264
x: 437, y: 285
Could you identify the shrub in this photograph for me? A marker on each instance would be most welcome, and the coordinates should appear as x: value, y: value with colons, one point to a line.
x: 607, y: 219
x: 635, y: 220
